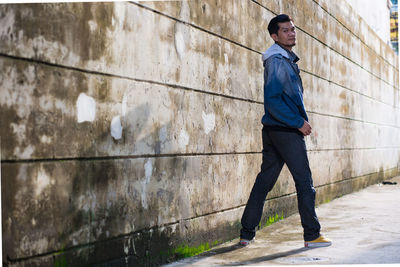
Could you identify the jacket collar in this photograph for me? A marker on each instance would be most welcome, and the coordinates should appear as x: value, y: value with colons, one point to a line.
x: 277, y: 49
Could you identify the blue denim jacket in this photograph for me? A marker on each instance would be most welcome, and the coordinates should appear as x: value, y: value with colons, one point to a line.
x: 283, y: 89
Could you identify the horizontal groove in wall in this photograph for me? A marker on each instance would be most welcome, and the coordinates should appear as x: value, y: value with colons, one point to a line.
x: 193, y: 89
x: 224, y: 38
x: 249, y: 48
x: 350, y: 89
x: 124, y: 157
x: 352, y: 119
x: 195, y: 26
x: 353, y: 149
x: 197, y: 90
x: 273, y: 198
x: 55, y: 65
x: 86, y: 245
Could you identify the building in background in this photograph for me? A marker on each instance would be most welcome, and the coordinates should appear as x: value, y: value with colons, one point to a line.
x: 394, y: 29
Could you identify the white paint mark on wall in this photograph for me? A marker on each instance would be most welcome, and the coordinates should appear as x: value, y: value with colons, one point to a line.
x: 163, y: 134
x: 124, y: 105
x: 92, y: 25
x: 127, y: 245
x: 22, y: 173
x: 183, y: 139
x: 116, y: 128
x: 209, y: 122
x: 83, y: 203
x: 34, y: 244
x: 173, y: 228
x: 42, y: 181
x: 119, y: 14
x: 19, y: 131
x: 46, y: 139
x: 182, y: 34
x: 148, y: 171
x: 180, y: 44
x: 26, y: 153
x: 86, y: 108
x: 129, y: 227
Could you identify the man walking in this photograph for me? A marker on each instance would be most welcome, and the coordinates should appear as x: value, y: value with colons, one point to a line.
x: 285, y: 124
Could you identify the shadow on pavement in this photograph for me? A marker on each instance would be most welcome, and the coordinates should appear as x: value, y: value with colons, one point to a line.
x: 234, y: 247
x: 220, y: 251
x: 269, y: 257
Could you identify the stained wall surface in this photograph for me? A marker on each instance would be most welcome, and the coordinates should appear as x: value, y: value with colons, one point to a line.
x: 132, y: 131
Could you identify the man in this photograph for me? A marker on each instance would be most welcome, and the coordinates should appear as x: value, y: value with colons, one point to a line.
x: 285, y: 124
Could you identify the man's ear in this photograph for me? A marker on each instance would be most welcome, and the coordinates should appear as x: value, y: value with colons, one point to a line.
x: 274, y: 37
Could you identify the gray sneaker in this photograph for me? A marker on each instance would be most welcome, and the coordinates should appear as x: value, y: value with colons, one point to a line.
x: 245, y: 242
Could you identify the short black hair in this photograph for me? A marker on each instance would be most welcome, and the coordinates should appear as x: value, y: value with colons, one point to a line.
x: 273, y: 26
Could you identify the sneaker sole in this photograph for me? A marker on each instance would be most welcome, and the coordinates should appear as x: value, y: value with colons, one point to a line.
x: 245, y: 244
x: 317, y: 245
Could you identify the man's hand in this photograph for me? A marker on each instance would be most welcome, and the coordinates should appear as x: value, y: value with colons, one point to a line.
x: 305, y: 129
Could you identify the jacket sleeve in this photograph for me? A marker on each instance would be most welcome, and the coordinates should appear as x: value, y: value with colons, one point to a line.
x: 276, y: 77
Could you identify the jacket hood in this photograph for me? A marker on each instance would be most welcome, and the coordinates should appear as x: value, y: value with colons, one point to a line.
x: 273, y: 50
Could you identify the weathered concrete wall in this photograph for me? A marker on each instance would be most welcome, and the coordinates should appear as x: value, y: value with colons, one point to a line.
x: 376, y: 13
x: 130, y: 130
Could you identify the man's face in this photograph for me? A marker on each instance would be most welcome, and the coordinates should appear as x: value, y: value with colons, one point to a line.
x: 286, y: 36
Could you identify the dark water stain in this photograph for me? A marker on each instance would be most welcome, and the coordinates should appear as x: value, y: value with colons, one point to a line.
x: 68, y: 24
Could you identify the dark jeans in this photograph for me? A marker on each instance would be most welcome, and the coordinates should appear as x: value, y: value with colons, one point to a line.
x: 282, y: 146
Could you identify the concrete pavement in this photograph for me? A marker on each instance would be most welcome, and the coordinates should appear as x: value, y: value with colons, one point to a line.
x: 364, y: 227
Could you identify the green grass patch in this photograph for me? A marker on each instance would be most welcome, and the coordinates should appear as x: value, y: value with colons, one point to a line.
x: 186, y: 251
x: 326, y: 201
x: 271, y: 220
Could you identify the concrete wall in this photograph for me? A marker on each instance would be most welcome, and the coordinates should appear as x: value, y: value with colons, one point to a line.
x: 131, y: 130
x: 376, y: 14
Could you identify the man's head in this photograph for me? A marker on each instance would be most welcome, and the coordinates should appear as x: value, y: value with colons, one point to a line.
x: 283, y: 31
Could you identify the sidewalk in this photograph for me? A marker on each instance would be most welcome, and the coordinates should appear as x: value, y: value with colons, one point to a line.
x: 364, y: 227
